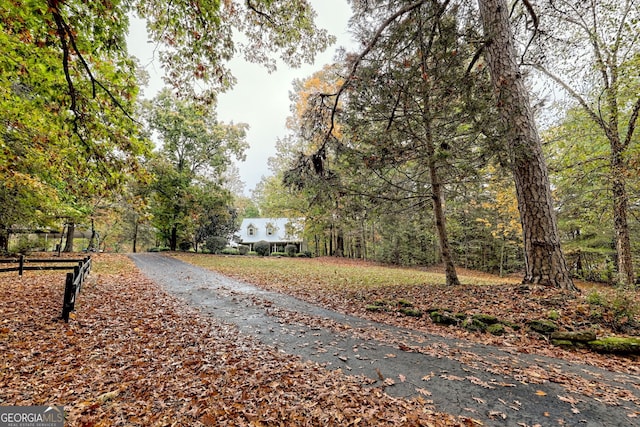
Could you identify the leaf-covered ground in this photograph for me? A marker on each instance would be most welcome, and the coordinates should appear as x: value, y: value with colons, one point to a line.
x: 135, y: 356
x: 353, y: 287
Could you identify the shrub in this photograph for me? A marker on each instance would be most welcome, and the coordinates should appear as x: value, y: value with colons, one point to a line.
x: 184, y: 246
x: 230, y: 251
x: 215, y: 243
x: 595, y: 298
x: 243, y: 250
x: 25, y: 246
x: 278, y: 254
x: 262, y: 248
x: 291, y: 250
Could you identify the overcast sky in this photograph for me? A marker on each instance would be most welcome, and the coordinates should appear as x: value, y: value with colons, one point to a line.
x: 259, y: 99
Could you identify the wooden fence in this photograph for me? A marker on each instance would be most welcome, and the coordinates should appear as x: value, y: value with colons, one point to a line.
x: 73, y: 286
x: 74, y: 280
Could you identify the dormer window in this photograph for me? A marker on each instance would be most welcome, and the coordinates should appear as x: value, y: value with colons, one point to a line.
x: 271, y: 230
x: 251, y: 230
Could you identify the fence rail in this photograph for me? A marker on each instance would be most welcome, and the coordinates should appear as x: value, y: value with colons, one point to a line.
x: 73, y: 285
x: 32, y: 264
x: 74, y: 280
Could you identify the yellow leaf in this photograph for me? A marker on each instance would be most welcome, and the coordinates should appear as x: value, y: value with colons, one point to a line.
x: 540, y: 393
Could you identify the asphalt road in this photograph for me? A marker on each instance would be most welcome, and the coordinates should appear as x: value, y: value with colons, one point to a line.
x: 493, y: 385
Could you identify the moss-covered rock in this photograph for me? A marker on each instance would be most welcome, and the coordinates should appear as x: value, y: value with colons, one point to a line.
x: 410, y: 311
x: 563, y: 343
x: 487, y: 319
x: 405, y: 303
x: 379, y: 305
x: 474, y: 325
x: 511, y: 325
x: 382, y: 303
x: 544, y: 327
x: 496, y: 329
x: 576, y: 336
x: 443, y: 318
x: 616, y: 345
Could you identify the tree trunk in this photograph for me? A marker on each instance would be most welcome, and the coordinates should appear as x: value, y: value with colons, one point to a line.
x: 135, y: 236
x: 92, y: 240
x: 339, y: 243
x: 71, y: 230
x: 4, y: 239
x: 173, y: 240
x: 620, y: 208
x: 445, y: 251
x: 436, y: 185
x: 544, y: 261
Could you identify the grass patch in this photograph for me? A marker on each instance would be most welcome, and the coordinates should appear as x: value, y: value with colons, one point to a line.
x: 319, y: 271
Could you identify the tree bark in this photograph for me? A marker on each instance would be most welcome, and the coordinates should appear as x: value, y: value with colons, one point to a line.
x: 445, y: 251
x: 620, y: 223
x: 4, y: 239
x: 92, y: 239
x: 71, y: 230
x: 544, y: 262
x: 135, y: 236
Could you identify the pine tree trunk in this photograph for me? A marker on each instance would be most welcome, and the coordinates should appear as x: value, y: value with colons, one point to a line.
x: 544, y: 261
x: 445, y: 251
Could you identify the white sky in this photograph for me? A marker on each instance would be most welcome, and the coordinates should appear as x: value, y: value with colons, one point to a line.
x: 259, y: 99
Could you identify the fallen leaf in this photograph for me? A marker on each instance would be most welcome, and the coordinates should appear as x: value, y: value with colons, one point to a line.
x: 108, y: 396
x: 423, y: 391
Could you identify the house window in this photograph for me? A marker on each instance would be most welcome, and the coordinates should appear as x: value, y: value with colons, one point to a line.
x: 270, y: 230
x: 251, y: 231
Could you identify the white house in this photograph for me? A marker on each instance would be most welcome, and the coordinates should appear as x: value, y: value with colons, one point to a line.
x: 277, y: 231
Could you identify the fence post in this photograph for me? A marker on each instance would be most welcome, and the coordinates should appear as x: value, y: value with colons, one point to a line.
x: 21, y: 265
x: 69, y: 297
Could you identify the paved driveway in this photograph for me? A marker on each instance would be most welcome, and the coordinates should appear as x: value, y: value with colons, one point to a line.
x: 495, y: 386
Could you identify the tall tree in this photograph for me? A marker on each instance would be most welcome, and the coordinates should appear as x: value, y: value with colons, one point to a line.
x: 603, y: 81
x: 402, y: 94
x: 544, y: 261
x: 196, y: 150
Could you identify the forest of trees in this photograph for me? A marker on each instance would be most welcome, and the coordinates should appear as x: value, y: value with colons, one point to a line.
x: 484, y: 134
